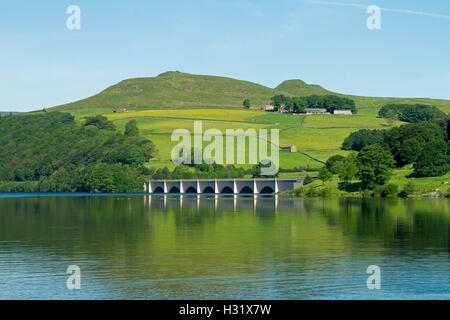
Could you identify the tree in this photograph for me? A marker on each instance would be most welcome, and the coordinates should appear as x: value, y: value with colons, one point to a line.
x: 324, y: 175
x: 246, y: 103
x: 335, y: 163
x: 149, y: 150
x: 299, y: 104
x: 126, y: 154
x: 362, y: 138
x: 375, y: 165
x: 406, y: 142
x: 280, y: 100
x: 349, y: 169
x: 101, y: 179
x: 433, y: 161
x: 100, y: 122
x: 411, y: 112
x: 131, y: 128
x: 391, y: 117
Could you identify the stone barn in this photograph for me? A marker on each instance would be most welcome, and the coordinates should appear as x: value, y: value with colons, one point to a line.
x: 290, y: 148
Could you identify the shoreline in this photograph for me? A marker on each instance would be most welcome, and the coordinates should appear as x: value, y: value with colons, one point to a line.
x: 287, y: 194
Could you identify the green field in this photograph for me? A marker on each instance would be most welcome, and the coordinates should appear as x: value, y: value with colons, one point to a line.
x: 317, y: 137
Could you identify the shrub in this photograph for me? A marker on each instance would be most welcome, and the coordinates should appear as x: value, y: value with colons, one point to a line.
x: 408, y: 189
x: 307, y: 180
x: 335, y: 163
x: 388, y: 190
x: 246, y: 103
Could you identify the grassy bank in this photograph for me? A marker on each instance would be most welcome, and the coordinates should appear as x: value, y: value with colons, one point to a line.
x: 399, y: 178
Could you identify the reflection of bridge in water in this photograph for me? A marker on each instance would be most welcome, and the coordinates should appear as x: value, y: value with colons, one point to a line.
x: 223, y: 186
x: 192, y: 203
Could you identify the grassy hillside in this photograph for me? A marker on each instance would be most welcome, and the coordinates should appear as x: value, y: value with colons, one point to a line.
x: 300, y: 88
x: 181, y: 90
x: 176, y: 89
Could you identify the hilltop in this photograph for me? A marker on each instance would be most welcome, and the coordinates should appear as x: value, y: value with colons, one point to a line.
x: 177, y: 89
x: 300, y: 88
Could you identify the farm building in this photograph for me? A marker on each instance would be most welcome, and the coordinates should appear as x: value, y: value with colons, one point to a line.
x: 267, y: 107
x: 346, y: 112
x: 290, y: 148
x: 122, y: 110
x: 316, y: 111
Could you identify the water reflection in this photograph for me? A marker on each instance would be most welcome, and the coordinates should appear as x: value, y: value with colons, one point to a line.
x: 169, y: 246
x: 256, y: 203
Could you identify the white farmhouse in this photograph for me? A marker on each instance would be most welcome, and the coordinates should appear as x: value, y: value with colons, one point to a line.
x: 346, y: 112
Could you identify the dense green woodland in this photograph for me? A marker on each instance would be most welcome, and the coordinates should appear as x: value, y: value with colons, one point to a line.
x: 425, y: 145
x: 52, y: 153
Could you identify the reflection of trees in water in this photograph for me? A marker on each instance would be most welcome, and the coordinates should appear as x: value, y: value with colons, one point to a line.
x: 74, y: 224
x: 418, y: 222
x: 169, y: 237
x: 415, y: 223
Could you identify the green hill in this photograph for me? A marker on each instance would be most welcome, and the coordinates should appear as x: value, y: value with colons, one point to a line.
x: 300, y: 88
x: 176, y: 89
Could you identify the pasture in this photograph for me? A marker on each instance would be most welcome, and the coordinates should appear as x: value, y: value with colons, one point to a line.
x: 317, y: 137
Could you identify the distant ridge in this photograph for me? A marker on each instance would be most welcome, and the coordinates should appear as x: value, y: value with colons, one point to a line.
x: 177, y: 89
x: 4, y: 113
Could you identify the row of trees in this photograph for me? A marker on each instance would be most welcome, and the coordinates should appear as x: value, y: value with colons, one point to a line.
x: 424, y: 144
x: 205, y: 171
x: 198, y: 171
x: 410, y: 112
x: 299, y: 104
x: 52, y: 153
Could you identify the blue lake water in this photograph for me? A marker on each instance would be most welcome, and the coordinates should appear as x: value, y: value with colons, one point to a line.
x: 185, y: 247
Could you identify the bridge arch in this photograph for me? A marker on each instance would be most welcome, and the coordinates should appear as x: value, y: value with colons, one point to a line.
x: 246, y: 189
x: 174, y: 190
x: 191, y: 190
x: 208, y: 190
x: 158, y: 190
x: 267, y: 189
x: 227, y: 190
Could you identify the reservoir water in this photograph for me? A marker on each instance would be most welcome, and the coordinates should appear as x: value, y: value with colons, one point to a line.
x: 185, y: 247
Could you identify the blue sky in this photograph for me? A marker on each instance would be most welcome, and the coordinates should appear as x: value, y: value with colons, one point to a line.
x: 43, y: 64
